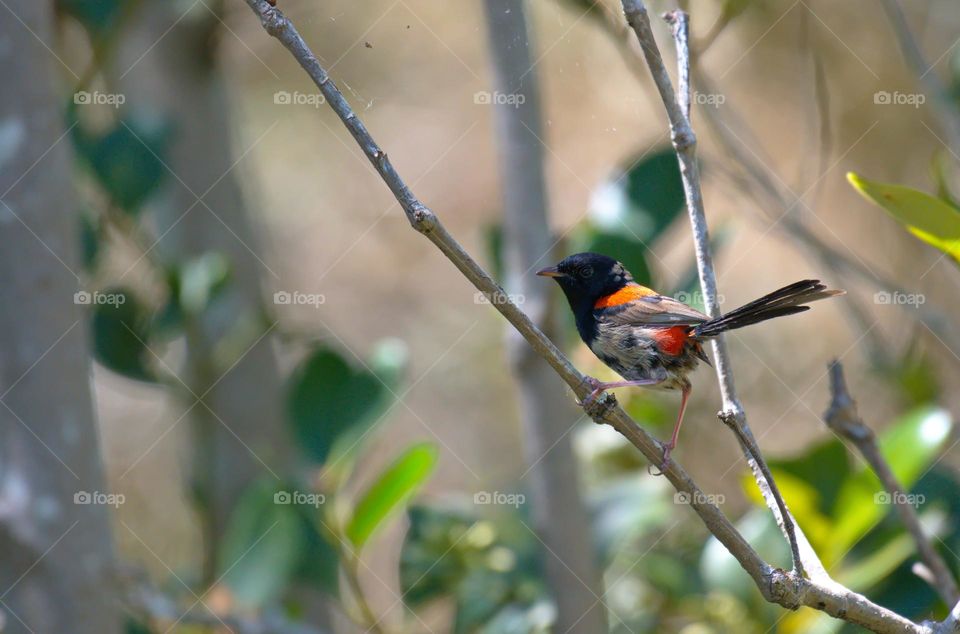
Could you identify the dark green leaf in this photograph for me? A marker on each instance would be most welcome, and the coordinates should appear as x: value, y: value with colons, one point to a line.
x: 97, y: 16
x: 128, y: 160
x: 329, y: 398
x: 393, y: 487
x: 643, y: 200
x: 120, y: 334
x: 262, y: 547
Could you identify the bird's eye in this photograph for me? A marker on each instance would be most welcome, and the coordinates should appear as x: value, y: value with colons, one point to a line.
x: 585, y: 272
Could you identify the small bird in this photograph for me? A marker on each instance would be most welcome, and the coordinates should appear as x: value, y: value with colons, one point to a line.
x: 652, y: 340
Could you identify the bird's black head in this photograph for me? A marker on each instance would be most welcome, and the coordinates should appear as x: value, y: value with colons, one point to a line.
x: 586, y: 277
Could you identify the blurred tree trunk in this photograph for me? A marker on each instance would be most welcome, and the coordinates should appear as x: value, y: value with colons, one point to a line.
x: 180, y: 78
x: 545, y: 411
x: 56, y: 557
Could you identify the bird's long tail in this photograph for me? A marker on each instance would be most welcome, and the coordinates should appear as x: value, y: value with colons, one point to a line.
x: 786, y: 301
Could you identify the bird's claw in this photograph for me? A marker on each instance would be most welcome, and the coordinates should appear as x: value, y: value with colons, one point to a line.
x: 597, y: 402
x: 664, y: 463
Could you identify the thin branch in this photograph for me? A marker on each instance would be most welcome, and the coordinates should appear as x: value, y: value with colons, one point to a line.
x: 685, y: 143
x: 777, y: 586
x: 842, y: 418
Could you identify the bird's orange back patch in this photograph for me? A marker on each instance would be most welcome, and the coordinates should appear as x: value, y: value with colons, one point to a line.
x: 626, y: 294
x: 671, y: 340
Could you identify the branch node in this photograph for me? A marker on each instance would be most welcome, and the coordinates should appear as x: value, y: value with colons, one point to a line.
x: 422, y: 219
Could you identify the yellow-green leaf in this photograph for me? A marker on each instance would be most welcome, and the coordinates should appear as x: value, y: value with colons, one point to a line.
x: 391, y: 489
x: 929, y: 218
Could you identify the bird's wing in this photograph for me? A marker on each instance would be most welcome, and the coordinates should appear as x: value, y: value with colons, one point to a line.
x: 651, y: 310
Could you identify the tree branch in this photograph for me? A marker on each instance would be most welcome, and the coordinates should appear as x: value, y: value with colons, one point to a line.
x: 544, y: 418
x: 777, y: 586
x: 685, y: 143
x: 842, y: 418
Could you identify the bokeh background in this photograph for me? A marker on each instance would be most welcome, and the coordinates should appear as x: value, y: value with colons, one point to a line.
x: 267, y: 273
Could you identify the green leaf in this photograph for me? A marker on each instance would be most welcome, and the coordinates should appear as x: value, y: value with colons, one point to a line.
x: 392, y: 488
x: 127, y: 160
x: 328, y: 399
x: 120, y: 332
x: 262, y: 547
x: 932, y: 220
x: 97, y: 16
x: 643, y: 200
x: 909, y: 447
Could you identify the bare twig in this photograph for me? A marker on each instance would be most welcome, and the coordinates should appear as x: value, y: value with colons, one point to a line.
x: 777, y: 586
x: 842, y: 418
x: 685, y: 142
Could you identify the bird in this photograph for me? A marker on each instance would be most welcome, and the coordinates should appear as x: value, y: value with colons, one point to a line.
x: 653, y: 340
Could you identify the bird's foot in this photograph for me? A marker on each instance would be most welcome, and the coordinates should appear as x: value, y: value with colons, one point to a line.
x: 664, y: 463
x: 593, y: 404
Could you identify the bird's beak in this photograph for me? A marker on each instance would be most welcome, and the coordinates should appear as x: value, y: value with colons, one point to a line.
x: 550, y: 271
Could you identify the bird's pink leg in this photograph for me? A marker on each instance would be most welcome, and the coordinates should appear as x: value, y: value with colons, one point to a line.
x: 676, y: 429
x: 599, y: 387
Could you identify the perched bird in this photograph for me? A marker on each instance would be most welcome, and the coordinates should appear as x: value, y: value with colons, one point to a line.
x: 652, y: 340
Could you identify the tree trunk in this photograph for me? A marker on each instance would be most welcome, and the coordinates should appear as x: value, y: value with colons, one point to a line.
x: 546, y: 414
x: 56, y: 557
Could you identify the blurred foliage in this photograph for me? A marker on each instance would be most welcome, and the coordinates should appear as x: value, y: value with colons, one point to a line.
x: 490, y: 567
x: 934, y: 220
